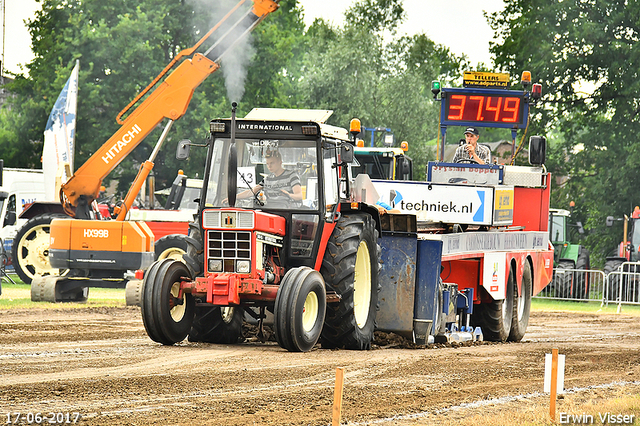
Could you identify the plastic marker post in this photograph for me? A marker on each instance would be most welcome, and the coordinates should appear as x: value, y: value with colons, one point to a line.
x: 337, y: 396
x: 553, y: 378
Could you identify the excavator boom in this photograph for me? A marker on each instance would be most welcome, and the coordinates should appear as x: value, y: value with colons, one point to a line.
x: 169, y: 100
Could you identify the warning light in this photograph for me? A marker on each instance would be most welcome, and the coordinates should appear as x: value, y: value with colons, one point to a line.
x: 526, y: 79
x: 360, y: 143
x: 354, y: 126
x: 536, y: 91
x: 405, y: 146
x: 435, y: 88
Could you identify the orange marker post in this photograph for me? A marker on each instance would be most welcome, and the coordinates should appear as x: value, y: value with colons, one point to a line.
x: 337, y: 396
x: 554, y: 384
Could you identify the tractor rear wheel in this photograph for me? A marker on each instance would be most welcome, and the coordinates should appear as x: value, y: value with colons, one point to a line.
x: 217, y: 324
x: 495, y: 317
x: 522, y: 305
x: 563, y: 280
x: 350, y: 268
x: 613, y: 286
x: 581, y: 289
x: 171, y: 247
x: 300, y: 309
x: 30, y: 248
x: 166, y: 316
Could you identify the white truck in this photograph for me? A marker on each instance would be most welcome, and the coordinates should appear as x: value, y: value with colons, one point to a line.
x: 18, y: 187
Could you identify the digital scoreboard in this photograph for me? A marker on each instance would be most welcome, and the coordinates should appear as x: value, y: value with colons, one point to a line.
x: 484, y: 107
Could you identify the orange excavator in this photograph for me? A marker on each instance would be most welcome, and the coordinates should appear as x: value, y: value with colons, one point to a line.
x: 98, y: 253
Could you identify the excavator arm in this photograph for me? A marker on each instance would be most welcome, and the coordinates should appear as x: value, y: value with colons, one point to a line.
x: 169, y: 100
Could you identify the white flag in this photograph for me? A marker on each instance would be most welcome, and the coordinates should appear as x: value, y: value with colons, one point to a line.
x: 57, y: 152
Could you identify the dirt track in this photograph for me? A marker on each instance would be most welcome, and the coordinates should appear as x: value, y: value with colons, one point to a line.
x: 100, y: 363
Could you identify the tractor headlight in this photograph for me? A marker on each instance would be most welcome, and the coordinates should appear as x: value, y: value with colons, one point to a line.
x: 215, y: 265
x: 243, y: 266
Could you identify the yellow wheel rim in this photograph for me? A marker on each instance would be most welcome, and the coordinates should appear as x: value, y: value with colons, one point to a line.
x: 177, y: 311
x: 310, y: 311
x: 362, y: 285
x: 172, y: 253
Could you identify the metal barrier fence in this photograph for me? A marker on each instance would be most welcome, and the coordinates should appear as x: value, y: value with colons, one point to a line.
x: 575, y: 284
x: 621, y: 286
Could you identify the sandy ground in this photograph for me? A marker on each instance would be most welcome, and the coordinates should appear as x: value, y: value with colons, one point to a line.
x: 100, y: 363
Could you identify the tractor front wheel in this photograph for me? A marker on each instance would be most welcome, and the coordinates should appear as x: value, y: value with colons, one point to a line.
x: 167, y: 315
x: 522, y: 305
x: 300, y: 309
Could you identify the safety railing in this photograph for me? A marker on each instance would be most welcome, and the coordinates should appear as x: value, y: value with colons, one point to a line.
x: 621, y: 286
x: 575, y: 284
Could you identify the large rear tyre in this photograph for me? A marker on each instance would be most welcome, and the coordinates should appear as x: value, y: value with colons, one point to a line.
x: 171, y: 247
x: 166, y: 316
x: 30, y: 250
x: 350, y: 268
x: 217, y: 324
x: 613, y: 285
x: 563, y: 280
x: 300, y: 309
x: 495, y: 317
x: 522, y: 305
x: 581, y: 290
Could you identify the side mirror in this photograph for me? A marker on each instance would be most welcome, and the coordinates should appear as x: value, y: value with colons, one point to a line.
x: 406, y: 167
x: 537, y: 150
x: 10, y: 219
x: 609, y: 221
x: 346, y: 153
x: 580, y: 228
x: 184, y: 147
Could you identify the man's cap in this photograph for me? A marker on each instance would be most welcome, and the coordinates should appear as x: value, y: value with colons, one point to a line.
x: 472, y: 130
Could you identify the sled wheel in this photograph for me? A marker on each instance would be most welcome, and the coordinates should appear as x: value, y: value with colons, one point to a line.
x: 171, y: 315
x: 300, y: 309
x: 217, y: 324
x: 522, y: 305
x: 495, y: 317
x: 350, y: 268
x: 30, y: 250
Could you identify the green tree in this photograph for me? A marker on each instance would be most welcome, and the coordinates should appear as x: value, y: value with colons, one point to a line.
x: 584, y: 52
x: 121, y: 46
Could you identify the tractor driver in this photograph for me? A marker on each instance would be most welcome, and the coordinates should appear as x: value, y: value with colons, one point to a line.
x: 471, y: 151
x: 280, y: 186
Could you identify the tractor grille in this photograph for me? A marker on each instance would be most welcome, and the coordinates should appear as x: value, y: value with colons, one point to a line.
x: 229, y: 247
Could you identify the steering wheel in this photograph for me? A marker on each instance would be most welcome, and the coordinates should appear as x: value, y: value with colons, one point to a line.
x: 469, y: 161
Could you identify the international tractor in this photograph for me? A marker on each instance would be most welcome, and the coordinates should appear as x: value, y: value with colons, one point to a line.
x: 342, y: 256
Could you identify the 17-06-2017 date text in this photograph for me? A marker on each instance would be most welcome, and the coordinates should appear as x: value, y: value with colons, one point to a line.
x: 51, y: 418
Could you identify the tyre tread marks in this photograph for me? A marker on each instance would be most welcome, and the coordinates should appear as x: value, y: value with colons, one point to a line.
x: 338, y: 268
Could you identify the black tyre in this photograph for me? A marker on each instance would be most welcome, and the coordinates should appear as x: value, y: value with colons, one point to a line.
x: 495, y: 317
x: 169, y: 317
x: 350, y: 268
x: 299, y: 310
x: 613, y: 285
x: 217, y: 324
x: 30, y: 250
x: 522, y: 305
x: 171, y: 247
x: 563, y: 280
x: 194, y: 256
x: 581, y: 280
